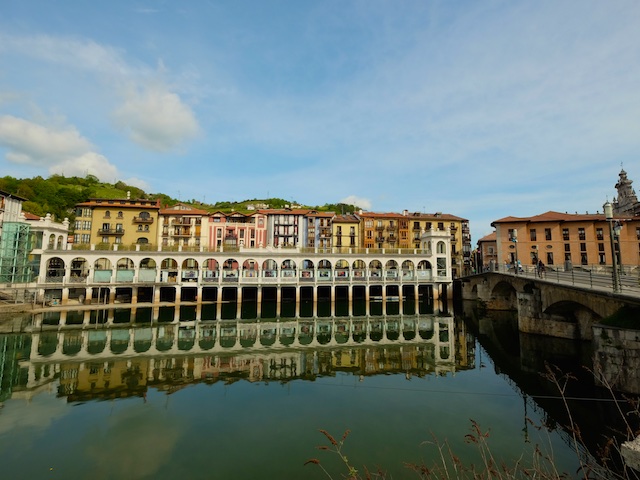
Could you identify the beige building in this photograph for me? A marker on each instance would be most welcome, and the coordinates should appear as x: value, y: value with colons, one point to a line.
x: 567, y: 240
x: 184, y: 226
x: 109, y: 221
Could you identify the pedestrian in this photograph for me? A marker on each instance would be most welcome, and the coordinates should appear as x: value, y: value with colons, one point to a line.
x: 540, y: 268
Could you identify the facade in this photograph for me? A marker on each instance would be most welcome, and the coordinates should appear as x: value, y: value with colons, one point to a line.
x: 563, y: 240
x: 109, y: 221
x: 345, y: 231
x: 184, y: 226
x: 285, y: 227
x: 318, y: 229
x: 234, y: 230
x: 487, y: 253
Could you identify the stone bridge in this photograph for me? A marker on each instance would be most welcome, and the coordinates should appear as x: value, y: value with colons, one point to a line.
x: 546, y: 307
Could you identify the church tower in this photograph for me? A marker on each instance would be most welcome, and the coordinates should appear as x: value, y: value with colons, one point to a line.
x: 627, y: 201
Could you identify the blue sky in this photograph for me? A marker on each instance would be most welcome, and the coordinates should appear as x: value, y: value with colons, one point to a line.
x: 481, y: 109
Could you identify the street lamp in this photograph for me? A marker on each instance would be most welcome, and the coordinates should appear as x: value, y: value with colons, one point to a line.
x: 514, y: 239
x: 608, y: 213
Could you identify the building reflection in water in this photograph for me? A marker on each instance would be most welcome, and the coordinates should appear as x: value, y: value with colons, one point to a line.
x: 101, y: 363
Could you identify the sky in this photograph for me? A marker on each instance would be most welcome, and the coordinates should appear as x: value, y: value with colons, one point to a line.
x: 480, y: 109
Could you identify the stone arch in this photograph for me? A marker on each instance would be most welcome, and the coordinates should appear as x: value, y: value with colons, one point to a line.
x: 79, y: 269
x: 359, y: 267
x: 342, y: 269
x: 408, y: 268
x: 168, y: 270
x: 270, y: 268
x: 288, y: 268
x: 324, y: 269
x: 51, y: 243
x: 60, y: 243
x: 210, y: 268
x: 55, y: 269
x: 250, y: 268
x: 375, y: 268
x: 230, y: 268
x: 503, y: 297
x: 441, y: 247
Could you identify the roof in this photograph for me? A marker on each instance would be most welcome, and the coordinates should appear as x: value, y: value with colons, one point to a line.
x: 30, y: 216
x: 552, y: 216
x: 12, y: 195
x: 414, y: 216
x: 182, y: 209
x: 120, y: 203
x: 492, y: 237
x: 346, y: 218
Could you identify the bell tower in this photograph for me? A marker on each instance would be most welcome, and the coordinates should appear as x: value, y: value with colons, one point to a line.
x: 627, y: 201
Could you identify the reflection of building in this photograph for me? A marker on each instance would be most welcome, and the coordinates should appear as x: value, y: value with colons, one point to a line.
x: 112, y: 363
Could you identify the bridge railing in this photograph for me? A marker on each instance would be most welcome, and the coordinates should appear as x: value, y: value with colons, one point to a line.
x: 599, y: 277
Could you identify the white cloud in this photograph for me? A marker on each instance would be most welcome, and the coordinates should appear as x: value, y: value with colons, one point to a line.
x: 156, y: 119
x: 153, y: 115
x: 62, y: 149
x: 363, y: 203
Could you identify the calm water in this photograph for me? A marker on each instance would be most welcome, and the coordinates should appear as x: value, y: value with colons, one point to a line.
x: 246, y: 399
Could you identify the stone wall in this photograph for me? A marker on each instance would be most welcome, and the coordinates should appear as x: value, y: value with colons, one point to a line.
x: 616, y: 358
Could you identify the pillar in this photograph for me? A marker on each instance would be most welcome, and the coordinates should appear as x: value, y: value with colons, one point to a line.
x: 239, y: 302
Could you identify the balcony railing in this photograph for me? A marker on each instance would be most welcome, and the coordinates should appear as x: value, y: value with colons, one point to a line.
x: 142, y: 220
x: 111, y: 231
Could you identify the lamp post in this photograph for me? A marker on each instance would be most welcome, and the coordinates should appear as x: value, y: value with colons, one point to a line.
x: 608, y: 213
x: 514, y: 239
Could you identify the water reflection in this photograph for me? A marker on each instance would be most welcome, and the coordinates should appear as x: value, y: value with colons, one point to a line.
x: 116, y: 362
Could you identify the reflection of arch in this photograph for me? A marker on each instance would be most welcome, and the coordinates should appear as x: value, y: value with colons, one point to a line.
x: 96, y: 341
x: 47, y: 344
x: 186, y: 339
x: 119, y: 341
x: 228, y: 336
x: 267, y: 336
x: 72, y: 343
x: 287, y: 335
x: 207, y: 338
x: 342, y: 331
x: 248, y: 336
x: 306, y: 333
x: 164, y: 341
x: 142, y: 339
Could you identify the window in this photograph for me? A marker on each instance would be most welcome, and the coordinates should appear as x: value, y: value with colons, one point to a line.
x: 85, y: 238
x: 565, y: 234
x: 567, y: 257
x: 549, y: 258
x: 119, y: 214
x: 583, y: 247
x: 440, y: 226
x: 583, y: 258
x: 119, y: 227
x: 599, y: 234
x: 638, y: 233
x: 532, y: 234
x: 107, y: 214
x: 368, y: 223
x: 547, y: 234
x: 567, y: 247
x: 601, y: 258
x: 416, y: 225
x: 581, y: 234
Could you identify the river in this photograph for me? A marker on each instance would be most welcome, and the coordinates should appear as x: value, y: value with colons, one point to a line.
x: 247, y: 398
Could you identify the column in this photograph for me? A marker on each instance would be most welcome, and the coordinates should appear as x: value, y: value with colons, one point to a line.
x: 239, y: 302
x: 259, y: 302
x: 65, y: 296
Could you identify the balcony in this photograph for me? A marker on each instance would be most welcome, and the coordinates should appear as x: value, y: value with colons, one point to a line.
x: 142, y: 220
x: 379, y: 228
x: 111, y: 231
x: 391, y: 228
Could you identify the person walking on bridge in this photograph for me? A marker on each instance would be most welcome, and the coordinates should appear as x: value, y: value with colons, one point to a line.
x: 540, y: 269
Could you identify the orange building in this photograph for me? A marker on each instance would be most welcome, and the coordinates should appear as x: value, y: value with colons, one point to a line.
x: 563, y: 240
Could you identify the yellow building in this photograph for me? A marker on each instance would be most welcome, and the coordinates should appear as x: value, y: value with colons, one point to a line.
x: 108, y: 221
x: 345, y: 232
